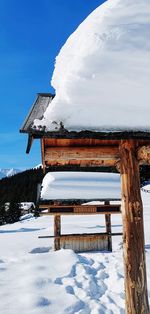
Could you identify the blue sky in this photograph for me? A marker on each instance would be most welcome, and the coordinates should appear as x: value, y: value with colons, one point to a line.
x: 31, y: 35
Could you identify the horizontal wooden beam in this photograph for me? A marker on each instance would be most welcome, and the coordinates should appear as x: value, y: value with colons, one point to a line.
x: 83, y: 210
x: 83, y: 156
x: 100, y: 235
x: 64, y: 214
x: 83, y: 153
x: 82, y: 163
x: 82, y: 142
x: 76, y: 235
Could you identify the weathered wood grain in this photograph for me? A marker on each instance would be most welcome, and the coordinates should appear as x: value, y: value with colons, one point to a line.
x: 83, y: 234
x: 84, y: 153
x: 143, y: 155
x: 83, y: 156
x: 57, y: 232
x: 82, y: 209
x: 133, y: 231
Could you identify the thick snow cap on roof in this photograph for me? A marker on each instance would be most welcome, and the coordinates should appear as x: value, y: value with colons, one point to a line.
x: 80, y: 185
x: 102, y: 73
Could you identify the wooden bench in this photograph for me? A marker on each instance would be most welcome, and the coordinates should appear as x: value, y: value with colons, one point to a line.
x: 84, y: 241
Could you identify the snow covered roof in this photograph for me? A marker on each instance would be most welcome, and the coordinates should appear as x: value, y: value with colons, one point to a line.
x: 80, y: 185
x: 102, y: 72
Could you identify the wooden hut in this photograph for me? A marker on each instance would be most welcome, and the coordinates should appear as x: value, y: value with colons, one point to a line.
x: 87, y: 150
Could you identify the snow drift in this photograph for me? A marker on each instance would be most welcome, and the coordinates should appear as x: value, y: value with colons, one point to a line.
x: 80, y: 185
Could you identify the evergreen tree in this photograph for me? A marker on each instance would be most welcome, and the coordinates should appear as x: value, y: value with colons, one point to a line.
x: 13, y: 213
x: 21, y: 187
x: 36, y: 211
x: 2, y: 215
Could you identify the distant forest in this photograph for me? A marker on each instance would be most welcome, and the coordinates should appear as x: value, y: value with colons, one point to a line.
x: 22, y: 187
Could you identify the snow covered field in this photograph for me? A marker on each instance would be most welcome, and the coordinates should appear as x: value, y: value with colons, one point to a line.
x: 36, y: 280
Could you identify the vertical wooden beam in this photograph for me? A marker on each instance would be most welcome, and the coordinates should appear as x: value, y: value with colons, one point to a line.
x: 133, y: 231
x: 108, y: 227
x: 57, y: 232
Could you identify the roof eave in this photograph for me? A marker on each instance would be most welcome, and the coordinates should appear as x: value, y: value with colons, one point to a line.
x: 116, y: 135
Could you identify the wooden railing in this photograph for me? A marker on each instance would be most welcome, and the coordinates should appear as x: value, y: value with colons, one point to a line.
x: 84, y: 241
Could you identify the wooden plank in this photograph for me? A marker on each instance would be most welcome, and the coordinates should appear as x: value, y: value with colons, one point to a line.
x: 82, y: 163
x: 57, y: 232
x: 79, y: 168
x: 114, y: 234
x: 133, y: 230
x: 65, y: 214
x: 83, y: 156
x: 55, y: 142
x: 111, y: 207
x: 83, y: 209
x: 82, y: 153
x: 81, y: 244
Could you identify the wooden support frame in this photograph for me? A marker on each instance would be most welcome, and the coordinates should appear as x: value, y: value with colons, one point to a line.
x: 133, y: 231
x: 84, y: 241
x: 126, y: 155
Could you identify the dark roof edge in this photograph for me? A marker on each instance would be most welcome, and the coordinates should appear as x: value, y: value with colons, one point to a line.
x: 64, y: 134
x: 46, y: 95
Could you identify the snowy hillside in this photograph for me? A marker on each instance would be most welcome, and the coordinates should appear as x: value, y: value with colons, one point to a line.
x: 102, y: 72
x: 8, y: 172
x: 36, y: 280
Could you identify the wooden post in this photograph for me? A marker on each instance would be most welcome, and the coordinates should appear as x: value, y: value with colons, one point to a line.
x: 133, y: 231
x: 108, y: 227
x: 57, y: 232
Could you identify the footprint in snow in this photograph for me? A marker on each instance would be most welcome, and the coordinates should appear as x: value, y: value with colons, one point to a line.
x: 40, y: 250
x: 42, y: 282
x: 42, y: 302
x: 1, y: 261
